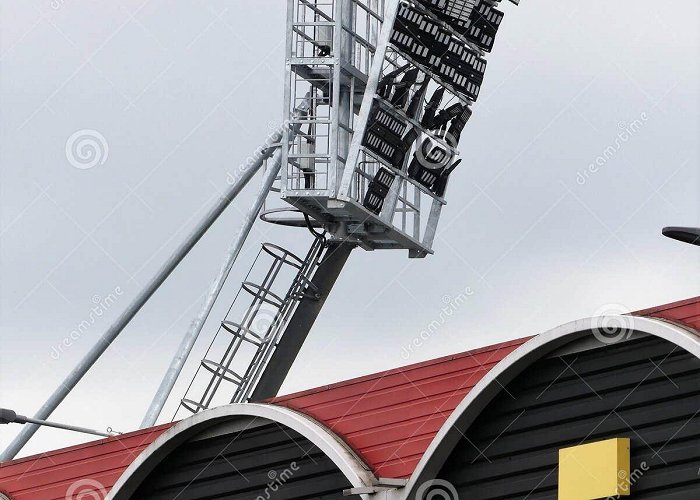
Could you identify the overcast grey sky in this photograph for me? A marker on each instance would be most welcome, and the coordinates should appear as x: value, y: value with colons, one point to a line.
x: 182, y: 91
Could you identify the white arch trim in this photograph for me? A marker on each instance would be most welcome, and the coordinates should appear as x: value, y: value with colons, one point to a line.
x: 354, y: 469
x: 513, y: 364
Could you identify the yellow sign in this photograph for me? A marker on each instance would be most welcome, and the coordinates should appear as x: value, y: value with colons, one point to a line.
x: 595, y: 470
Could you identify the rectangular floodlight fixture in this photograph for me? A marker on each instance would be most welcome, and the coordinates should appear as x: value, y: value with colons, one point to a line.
x: 384, y: 131
x: 484, y: 22
x: 377, y: 190
x: 477, y: 20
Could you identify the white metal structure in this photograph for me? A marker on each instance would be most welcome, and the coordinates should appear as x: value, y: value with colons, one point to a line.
x: 244, y: 416
x: 372, y: 160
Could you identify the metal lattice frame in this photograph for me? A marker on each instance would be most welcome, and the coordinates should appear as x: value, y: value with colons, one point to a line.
x: 332, y: 170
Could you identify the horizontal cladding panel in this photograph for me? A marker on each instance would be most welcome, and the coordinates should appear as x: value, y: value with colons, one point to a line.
x: 221, y: 466
x: 622, y: 355
x: 521, y: 438
x: 230, y: 481
x: 533, y: 475
x: 242, y: 465
x: 644, y: 424
x: 510, y: 466
x: 523, y: 485
x: 598, y: 405
x: 256, y: 439
x: 608, y: 383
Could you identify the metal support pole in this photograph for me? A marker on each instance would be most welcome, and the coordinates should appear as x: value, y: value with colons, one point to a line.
x: 183, y: 352
x: 301, y: 322
x: 65, y: 427
x: 245, y: 173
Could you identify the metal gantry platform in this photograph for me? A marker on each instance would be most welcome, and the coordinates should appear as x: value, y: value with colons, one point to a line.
x: 393, y: 82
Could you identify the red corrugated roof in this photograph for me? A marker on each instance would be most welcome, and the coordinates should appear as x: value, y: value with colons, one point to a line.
x: 50, y: 475
x: 388, y: 418
x: 684, y: 311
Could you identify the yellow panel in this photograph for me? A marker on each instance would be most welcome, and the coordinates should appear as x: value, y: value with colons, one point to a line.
x: 595, y: 470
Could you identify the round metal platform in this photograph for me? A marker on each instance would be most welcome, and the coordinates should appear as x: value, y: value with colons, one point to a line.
x: 293, y: 218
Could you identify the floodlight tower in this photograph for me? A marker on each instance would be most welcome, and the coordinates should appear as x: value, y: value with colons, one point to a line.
x: 377, y: 94
x: 387, y: 87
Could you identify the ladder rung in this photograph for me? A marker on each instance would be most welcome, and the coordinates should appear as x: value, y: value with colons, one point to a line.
x: 192, y: 406
x: 221, y: 371
x: 245, y: 333
x: 261, y: 293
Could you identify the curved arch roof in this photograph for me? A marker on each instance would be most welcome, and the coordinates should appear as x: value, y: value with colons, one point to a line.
x: 388, y: 418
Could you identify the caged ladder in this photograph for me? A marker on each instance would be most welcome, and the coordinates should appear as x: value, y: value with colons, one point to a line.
x: 241, y: 349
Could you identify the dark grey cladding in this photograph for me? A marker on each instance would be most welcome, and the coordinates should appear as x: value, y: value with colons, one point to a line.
x: 511, y: 450
x: 269, y: 462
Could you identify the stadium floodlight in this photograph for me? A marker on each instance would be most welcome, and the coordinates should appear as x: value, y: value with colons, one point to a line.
x: 685, y: 234
x: 441, y: 184
x: 454, y: 133
x: 384, y: 132
x: 476, y: 20
x: 378, y: 189
x: 402, y: 89
x: 432, y: 107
